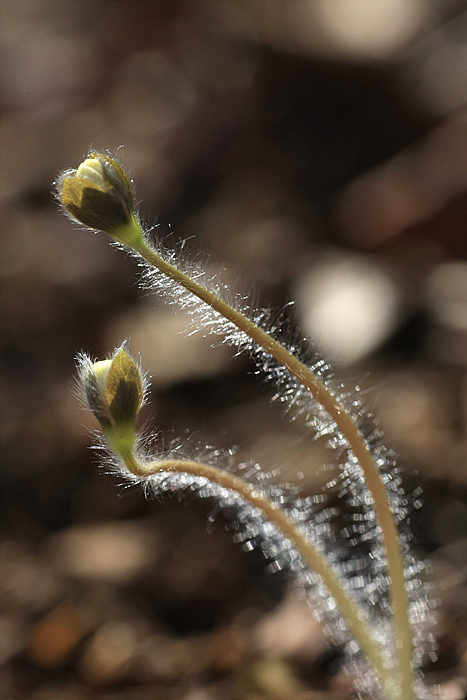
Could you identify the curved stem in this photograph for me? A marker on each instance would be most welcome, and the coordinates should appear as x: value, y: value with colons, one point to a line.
x: 308, y: 551
x: 344, y: 422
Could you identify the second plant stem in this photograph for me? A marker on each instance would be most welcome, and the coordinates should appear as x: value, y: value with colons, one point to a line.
x: 307, y: 550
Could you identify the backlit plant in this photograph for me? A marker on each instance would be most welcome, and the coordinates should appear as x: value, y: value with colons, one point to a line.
x: 374, y: 604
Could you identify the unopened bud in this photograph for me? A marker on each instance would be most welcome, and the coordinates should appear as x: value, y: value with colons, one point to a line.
x: 114, y: 390
x: 98, y: 194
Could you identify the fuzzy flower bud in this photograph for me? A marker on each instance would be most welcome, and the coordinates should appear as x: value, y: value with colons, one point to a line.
x: 114, y: 390
x: 98, y: 194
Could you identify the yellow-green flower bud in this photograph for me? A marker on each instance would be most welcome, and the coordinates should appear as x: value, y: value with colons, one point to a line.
x: 98, y: 194
x: 114, y: 390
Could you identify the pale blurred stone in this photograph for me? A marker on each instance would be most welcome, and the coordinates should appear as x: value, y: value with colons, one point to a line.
x: 109, y: 653
x: 161, y: 338
x: 290, y: 630
x: 453, y: 690
x: 114, y: 551
x: 349, y: 304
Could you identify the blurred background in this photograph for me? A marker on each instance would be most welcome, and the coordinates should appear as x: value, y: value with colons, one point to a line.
x: 316, y: 150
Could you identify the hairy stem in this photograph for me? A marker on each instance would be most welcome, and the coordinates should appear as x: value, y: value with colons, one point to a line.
x: 347, y: 426
x: 310, y: 554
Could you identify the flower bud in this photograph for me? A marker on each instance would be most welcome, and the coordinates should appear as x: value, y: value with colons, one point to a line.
x: 114, y: 390
x: 98, y: 194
